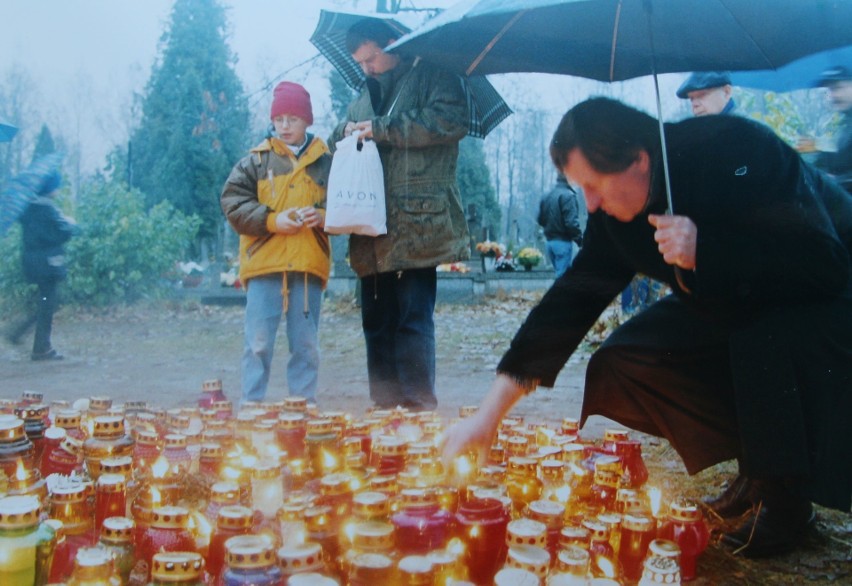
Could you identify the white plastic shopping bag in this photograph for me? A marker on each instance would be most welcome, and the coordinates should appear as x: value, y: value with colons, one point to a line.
x: 356, y: 190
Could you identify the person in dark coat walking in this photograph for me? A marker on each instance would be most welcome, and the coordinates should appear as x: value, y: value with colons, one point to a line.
x: 708, y: 92
x: 45, y: 232
x: 558, y: 214
x: 752, y: 359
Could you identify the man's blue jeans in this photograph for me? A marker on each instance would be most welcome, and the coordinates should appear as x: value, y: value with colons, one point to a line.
x: 560, y: 253
x: 264, y: 309
x: 397, y: 314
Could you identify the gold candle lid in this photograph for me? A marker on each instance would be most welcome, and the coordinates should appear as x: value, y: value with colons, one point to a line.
x: 174, y: 441
x: 384, y: 483
x: 416, y: 570
x: 32, y: 396
x: 370, y: 504
x: 117, y: 465
x: 234, y: 517
x: 213, y: 384
x: 225, y: 492
x: 69, y: 492
x: 573, y: 535
x: 371, y: 567
x: 516, y: 577
x: 320, y: 426
x: 177, y: 566
x: 373, y: 536
x: 664, y: 548
x: 295, y: 404
x: 11, y: 429
x: 211, y: 450
x: 570, y: 426
x: 336, y: 484
x: 117, y: 529
x: 300, y: 557
x: 249, y: 551
x: 318, y: 518
x: 108, y: 426
x: 170, y: 517
x: 32, y: 412
x: 418, y: 497
x: 208, y: 415
x: 72, y: 445
x: 90, y: 557
x: 17, y: 512
x: 110, y: 483
x: 637, y: 522
x: 390, y: 446
x: 572, y: 452
x: 291, y: 420
x: 100, y: 403
x: 525, y: 531
x: 597, y: 531
x: 548, y: 512
x: 311, y: 579
x: 660, y: 570
x: 684, y: 511
x: 521, y: 465
x: 67, y: 419
x: 146, y: 437
x: 609, y: 463
x: 532, y: 558
x: 616, y: 435
x: 573, y: 559
x: 552, y: 470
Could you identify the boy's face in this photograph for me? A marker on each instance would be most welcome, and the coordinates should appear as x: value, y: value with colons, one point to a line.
x: 291, y: 129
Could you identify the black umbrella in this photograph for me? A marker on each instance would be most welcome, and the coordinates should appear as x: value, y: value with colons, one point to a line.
x: 614, y: 40
x: 487, y: 109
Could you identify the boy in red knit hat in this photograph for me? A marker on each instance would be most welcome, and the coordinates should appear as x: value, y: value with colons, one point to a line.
x: 275, y: 199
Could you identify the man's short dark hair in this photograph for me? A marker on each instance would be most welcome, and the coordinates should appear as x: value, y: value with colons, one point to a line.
x: 608, y: 133
x: 369, y: 29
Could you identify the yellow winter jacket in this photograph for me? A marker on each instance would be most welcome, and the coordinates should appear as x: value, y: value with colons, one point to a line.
x: 265, y: 182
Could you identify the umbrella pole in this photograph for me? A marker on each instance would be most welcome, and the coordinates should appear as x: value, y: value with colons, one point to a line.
x: 665, y: 156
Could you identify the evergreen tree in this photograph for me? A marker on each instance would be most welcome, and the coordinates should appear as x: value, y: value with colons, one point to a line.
x: 195, y: 119
x: 44, y: 143
x: 474, y: 181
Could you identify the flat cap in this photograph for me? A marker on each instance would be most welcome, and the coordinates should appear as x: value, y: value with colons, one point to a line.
x: 702, y: 80
x: 833, y: 75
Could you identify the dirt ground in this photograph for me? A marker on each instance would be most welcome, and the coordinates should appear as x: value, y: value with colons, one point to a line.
x: 162, y: 352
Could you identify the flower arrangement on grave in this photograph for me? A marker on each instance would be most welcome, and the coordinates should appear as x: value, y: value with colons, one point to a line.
x: 490, y: 249
x: 529, y: 257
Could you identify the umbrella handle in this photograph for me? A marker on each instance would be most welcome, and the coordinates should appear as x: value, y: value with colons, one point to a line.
x: 681, y: 282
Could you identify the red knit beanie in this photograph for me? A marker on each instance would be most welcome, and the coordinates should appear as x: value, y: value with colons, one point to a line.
x: 291, y: 98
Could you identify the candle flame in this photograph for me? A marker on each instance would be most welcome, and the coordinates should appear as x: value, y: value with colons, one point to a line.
x: 655, y: 496
x: 248, y: 461
x: 606, y: 567
x: 229, y: 473
x: 156, y: 497
x: 329, y: 461
x: 21, y: 471
x: 462, y: 465
x: 349, y: 531
x: 475, y: 531
x: 160, y: 468
x: 456, y: 546
x: 563, y: 494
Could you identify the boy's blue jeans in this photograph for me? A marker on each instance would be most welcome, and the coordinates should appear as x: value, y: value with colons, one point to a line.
x: 264, y: 309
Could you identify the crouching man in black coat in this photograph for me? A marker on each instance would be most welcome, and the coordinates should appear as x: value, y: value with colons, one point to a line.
x: 750, y: 358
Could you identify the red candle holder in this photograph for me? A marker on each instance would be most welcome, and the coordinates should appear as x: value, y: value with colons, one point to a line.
x: 685, y: 526
x: 110, y: 498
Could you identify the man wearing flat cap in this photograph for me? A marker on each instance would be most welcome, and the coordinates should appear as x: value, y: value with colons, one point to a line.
x: 709, y: 92
x: 838, y: 81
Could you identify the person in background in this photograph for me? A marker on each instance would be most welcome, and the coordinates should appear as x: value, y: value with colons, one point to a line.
x: 838, y: 81
x: 416, y: 114
x: 749, y: 360
x: 558, y: 214
x: 275, y: 199
x: 709, y: 92
x: 45, y: 232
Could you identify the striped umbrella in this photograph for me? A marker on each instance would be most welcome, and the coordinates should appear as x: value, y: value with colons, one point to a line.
x: 17, y: 194
x: 7, y: 132
x: 486, y: 107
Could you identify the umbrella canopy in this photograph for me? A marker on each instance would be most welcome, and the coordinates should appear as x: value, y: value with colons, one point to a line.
x: 800, y: 74
x: 7, y: 132
x: 24, y: 187
x: 615, y: 40
x: 487, y: 109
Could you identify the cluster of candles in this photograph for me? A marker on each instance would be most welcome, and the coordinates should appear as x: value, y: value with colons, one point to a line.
x: 278, y: 493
